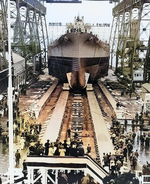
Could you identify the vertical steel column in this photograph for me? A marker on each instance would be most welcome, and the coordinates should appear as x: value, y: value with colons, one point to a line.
x: 113, y: 36
x: 44, y: 175
x: 29, y: 174
x: 56, y: 176
x: 32, y: 175
x: 3, y: 34
x: 10, y: 102
x: 42, y: 30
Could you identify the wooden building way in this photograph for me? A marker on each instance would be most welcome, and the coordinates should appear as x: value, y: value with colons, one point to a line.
x: 102, y: 134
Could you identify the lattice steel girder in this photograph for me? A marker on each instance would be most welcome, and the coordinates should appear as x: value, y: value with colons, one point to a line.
x: 147, y: 64
x: 135, y: 15
x: 126, y: 5
x: 29, y: 27
x: 3, y: 34
x: 113, y: 38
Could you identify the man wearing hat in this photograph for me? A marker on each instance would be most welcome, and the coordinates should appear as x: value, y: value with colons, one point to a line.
x: 80, y: 150
x: 47, y: 144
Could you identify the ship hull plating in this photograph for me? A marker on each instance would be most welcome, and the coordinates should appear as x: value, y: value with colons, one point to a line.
x: 78, y: 54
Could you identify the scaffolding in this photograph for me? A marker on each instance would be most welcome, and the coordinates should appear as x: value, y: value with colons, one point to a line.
x: 3, y: 35
x: 29, y: 34
x: 130, y: 34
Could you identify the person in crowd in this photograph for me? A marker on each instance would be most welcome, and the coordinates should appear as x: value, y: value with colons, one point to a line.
x: 17, y: 157
x: 22, y: 141
x: 129, y: 147
x: 73, y: 150
x: 88, y: 149
x: 108, y: 158
x: 56, y: 147
x: 51, y: 150
x: 39, y: 149
x: 66, y: 147
x: 0, y: 130
x: 24, y: 171
x: 47, y: 144
x: 75, y: 135
x: 40, y: 127
x: 118, y: 165
x: 136, y: 154
x: 125, y: 153
x: 133, y: 161
x: 85, y: 179
x: 147, y: 139
x: 105, y: 159
x: 62, y: 150
x: 69, y: 132
x: 125, y: 123
x: 113, y: 138
x: 80, y: 150
x: 32, y: 149
x: 112, y: 166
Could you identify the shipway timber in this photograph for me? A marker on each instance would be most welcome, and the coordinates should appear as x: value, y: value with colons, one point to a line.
x: 78, y: 57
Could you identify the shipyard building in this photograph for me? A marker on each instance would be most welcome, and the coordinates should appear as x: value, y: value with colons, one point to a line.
x: 56, y: 29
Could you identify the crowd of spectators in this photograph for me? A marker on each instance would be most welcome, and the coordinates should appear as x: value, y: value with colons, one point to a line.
x: 123, y: 142
x: 75, y: 148
x: 146, y: 168
x: 123, y: 146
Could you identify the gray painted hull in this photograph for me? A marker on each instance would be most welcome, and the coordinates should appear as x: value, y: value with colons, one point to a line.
x: 78, y: 54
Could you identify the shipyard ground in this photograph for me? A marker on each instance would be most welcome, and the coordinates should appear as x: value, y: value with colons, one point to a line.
x: 131, y: 107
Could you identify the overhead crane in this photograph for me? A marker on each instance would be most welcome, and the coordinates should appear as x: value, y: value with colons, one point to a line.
x: 130, y: 34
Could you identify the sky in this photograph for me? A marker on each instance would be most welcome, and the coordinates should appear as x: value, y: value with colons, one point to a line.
x: 93, y: 12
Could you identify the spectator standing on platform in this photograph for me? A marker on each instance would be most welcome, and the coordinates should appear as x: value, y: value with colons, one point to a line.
x: 51, y: 150
x: 47, y: 144
x: 62, y: 150
x: 85, y: 179
x: 73, y: 150
x: 88, y: 149
x: 69, y: 131
x: 17, y: 157
x: 80, y: 150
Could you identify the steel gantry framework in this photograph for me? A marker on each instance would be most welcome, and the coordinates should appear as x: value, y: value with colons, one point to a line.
x: 130, y: 34
x: 3, y: 35
x: 29, y: 34
x: 29, y: 27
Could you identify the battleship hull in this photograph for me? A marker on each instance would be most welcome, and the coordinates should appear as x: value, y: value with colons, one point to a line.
x: 77, y: 58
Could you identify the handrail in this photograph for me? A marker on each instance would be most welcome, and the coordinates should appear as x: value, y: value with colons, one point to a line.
x: 97, y: 164
x: 86, y: 163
